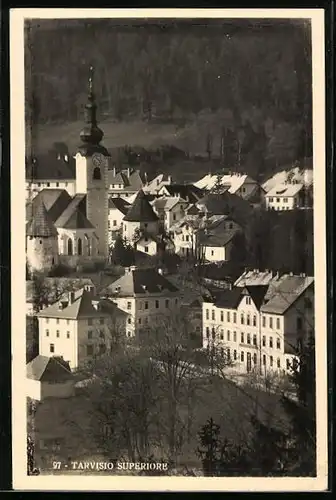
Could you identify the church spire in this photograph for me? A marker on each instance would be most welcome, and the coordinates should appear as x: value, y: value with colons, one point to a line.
x: 91, y: 133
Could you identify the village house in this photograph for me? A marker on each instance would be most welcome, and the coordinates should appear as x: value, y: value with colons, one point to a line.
x: 118, y: 208
x: 284, y: 197
x: 77, y: 328
x: 146, y: 295
x: 153, y: 187
x: 217, y: 247
x: 235, y: 183
x: 186, y: 192
x: 140, y: 218
x: 259, y: 327
x: 124, y: 183
x: 49, y: 377
x: 169, y: 210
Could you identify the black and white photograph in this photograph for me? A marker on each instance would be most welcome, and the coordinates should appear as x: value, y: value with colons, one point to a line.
x: 169, y: 318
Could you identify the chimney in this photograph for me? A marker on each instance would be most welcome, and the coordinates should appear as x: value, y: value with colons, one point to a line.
x: 58, y: 156
x: 71, y: 297
x: 170, y: 180
x: 128, y: 172
x: 114, y: 171
x: 291, y: 274
x: 66, y: 158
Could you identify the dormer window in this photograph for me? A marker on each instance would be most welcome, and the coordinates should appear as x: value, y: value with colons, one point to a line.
x: 96, y: 174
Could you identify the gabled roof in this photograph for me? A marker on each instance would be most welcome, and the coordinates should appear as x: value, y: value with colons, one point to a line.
x: 41, y: 223
x: 166, y: 202
x: 49, y: 167
x: 130, y: 179
x: 257, y: 294
x: 226, y: 204
x: 282, y: 295
x: 140, y: 281
x: 81, y: 307
x: 53, y: 287
x: 229, y: 299
x: 284, y: 190
x: 77, y: 204
x: 119, y: 204
x: 45, y: 369
x: 217, y: 239
x: 187, y: 192
x: 55, y: 201
x: 78, y: 221
x: 141, y: 210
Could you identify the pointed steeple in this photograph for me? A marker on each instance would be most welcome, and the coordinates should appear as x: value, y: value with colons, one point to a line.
x: 91, y: 135
x: 41, y: 224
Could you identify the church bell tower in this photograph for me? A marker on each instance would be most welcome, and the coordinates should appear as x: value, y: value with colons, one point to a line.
x: 91, y: 172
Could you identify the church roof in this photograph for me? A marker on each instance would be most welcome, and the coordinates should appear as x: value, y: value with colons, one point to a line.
x: 41, y: 223
x: 141, y: 210
x: 76, y: 204
x: 78, y: 221
x: 119, y: 204
x: 55, y: 201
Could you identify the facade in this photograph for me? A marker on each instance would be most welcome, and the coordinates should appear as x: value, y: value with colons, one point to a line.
x: 153, y: 187
x: 186, y: 192
x: 259, y: 327
x: 169, y: 210
x: 118, y: 208
x: 124, y: 183
x: 74, y: 328
x: 235, y: 183
x: 146, y: 296
x: 284, y: 197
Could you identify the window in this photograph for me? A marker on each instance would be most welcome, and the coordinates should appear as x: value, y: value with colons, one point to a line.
x: 248, y: 320
x: 222, y: 335
x: 96, y: 174
x: 146, y: 249
x: 264, y: 321
x: 271, y: 322
x: 278, y: 344
x: 146, y: 305
x: 207, y: 314
x: 264, y: 359
x: 271, y: 360
x: 48, y: 184
x: 101, y: 321
x: 145, y: 225
x: 52, y: 348
x: 248, y: 300
x: 70, y: 249
x: 222, y: 351
x: 254, y: 320
x: 57, y: 321
x: 288, y: 365
x: 212, y: 252
x: 264, y: 340
x: 234, y: 336
x: 129, y: 320
x: 278, y: 363
x: 90, y: 334
x: 68, y: 322
x: 271, y: 342
x: 174, y: 216
x: 114, y: 223
x: 278, y: 200
x: 167, y: 303
x: 254, y: 340
x: 228, y: 316
x: 242, y: 337
x: 207, y: 332
x: 47, y: 333
x: 242, y: 356
x: 228, y: 354
x: 90, y: 321
x: 79, y: 246
x: 89, y: 350
x: 285, y: 200
x: 228, y: 335
x: 213, y: 334
x: 213, y: 315
x: 235, y: 354
x: 248, y: 340
x: 235, y: 317
x: 242, y: 318
x: 255, y: 358
x: 139, y: 321
x: 299, y: 323
x: 57, y: 333
x: 67, y: 335
x: 221, y: 316
x: 47, y: 320
x: 278, y: 323
x: 157, y: 304
x: 271, y: 199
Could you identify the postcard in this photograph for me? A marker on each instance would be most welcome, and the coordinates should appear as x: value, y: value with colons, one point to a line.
x: 168, y: 250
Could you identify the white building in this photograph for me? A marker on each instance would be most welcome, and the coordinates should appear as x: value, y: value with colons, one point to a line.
x: 76, y: 328
x: 118, y: 208
x: 260, y: 327
x: 146, y: 296
x: 284, y: 197
x: 169, y: 210
x: 140, y: 218
x: 49, y: 377
x: 124, y: 183
x: 240, y: 184
x: 153, y: 187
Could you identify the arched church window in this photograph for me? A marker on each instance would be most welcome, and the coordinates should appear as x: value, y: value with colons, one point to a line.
x: 79, y: 248
x: 70, y: 249
x: 96, y: 174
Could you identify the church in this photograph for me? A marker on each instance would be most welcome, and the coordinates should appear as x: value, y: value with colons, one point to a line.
x: 72, y: 230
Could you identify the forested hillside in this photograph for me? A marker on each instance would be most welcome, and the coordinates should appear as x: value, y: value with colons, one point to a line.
x: 247, y: 84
